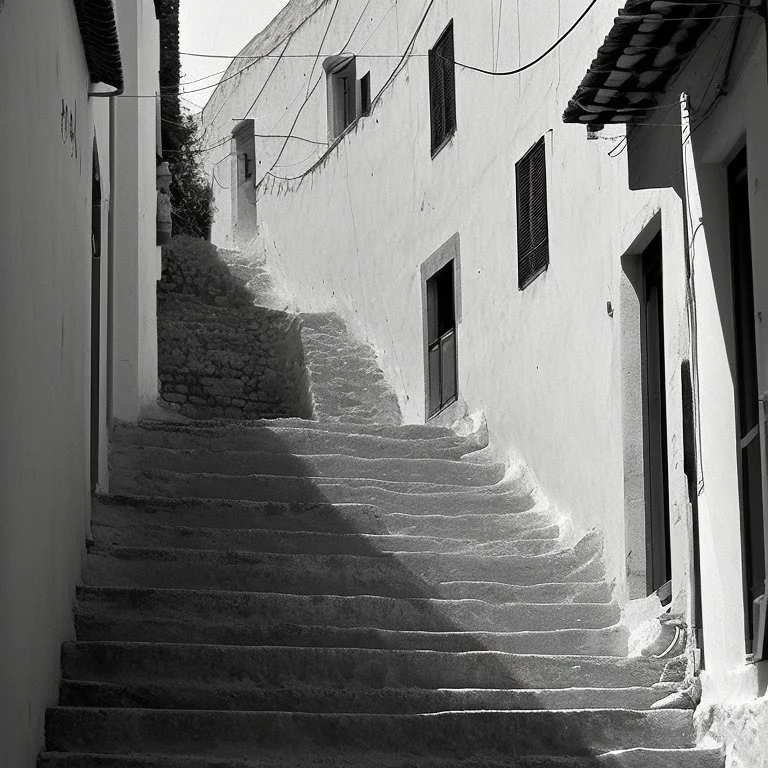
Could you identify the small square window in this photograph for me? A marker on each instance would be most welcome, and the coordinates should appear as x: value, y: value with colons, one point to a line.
x: 532, y: 223
x: 442, y: 90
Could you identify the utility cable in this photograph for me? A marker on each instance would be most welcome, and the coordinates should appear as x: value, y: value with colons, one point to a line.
x: 309, y: 94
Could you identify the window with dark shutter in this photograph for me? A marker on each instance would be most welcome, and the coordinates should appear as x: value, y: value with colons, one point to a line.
x: 532, y: 225
x: 442, y: 90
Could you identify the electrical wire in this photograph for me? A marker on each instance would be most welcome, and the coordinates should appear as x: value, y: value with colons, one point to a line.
x: 309, y: 94
x: 322, y: 43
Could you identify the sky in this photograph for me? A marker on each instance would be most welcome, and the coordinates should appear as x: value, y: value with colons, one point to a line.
x: 219, y: 27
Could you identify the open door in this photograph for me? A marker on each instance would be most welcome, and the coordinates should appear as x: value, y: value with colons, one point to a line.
x: 658, y: 550
x: 748, y: 415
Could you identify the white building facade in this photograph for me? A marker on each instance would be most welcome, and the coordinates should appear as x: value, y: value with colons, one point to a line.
x: 401, y: 164
x: 77, y: 304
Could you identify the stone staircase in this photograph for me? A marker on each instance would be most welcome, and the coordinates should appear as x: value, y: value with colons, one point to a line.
x: 345, y: 593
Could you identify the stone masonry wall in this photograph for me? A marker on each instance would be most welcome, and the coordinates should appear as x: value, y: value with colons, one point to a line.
x: 219, y: 356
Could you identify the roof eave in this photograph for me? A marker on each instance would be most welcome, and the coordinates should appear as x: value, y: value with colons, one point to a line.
x: 98, y: 31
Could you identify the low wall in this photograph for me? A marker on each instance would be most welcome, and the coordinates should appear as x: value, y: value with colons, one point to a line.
x: 219, y: 355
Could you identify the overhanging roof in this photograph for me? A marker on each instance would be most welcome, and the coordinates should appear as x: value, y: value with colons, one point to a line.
x: 98, y: 30
x: 648, y: 43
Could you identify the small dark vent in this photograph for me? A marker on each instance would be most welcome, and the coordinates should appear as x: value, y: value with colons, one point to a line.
x: 442, y: 89
x: 532, y: 225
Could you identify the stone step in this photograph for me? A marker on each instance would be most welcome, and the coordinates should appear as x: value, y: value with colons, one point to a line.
x: 239, y: 734
x: 298, y: 438
x: 231, y: 462
x: 141, y: 511
x: 307, y: 542
x: 391, y: 496
x: 314, y: 760
x: 412, y: 432
x: 245, y: 697
x: 171, y: 616
x: 290, y: 667
x: 405, y: 574
x: 663, y: 758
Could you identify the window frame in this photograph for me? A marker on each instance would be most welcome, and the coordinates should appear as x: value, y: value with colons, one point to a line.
x: 438, y: 100
x: 526, y: 224
x: 448, y: 252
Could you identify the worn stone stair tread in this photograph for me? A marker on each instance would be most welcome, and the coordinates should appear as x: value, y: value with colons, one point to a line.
x: 98, y: 623
x: 434, y: 497
x: 313, y: 516
x: 313, y: 760
x: 243, y: 697
x: 367, y: 668
x: 405, y: 575
x: 235, y: 462
x: 643, y: 757
x: 164, y: 629
x: 400, y: 431
x: 237, y: 734
x: 293, y: 439
x: 312, y: 542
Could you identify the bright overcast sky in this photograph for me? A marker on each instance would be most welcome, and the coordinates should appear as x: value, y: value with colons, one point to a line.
x: 219, y: 27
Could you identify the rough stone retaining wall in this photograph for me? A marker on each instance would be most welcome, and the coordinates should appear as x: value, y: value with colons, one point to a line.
x: 219, y: 356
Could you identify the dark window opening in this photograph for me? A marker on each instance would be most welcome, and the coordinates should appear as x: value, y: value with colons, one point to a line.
x: 441, y: 339
x: 658, y: 529
x: 442, y: 90
x: 245, y: 148
x: 342, y: 95
x: 532, y: 222
x: 365, y: 94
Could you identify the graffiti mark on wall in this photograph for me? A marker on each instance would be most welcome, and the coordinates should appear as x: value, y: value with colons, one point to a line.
x: 69, y: 128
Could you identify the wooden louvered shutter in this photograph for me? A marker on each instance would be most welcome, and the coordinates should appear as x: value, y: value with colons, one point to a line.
x: 532, y: 224
x: 442, y: 89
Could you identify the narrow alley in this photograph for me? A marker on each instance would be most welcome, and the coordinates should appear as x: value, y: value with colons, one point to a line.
x: 340, y: 591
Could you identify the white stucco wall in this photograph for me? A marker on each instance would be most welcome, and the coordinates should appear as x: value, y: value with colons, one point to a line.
x: 136, y: 255
x: 738, y: 118
x: 45, y: 285
x: 544, y: 364
x: 48, y: 124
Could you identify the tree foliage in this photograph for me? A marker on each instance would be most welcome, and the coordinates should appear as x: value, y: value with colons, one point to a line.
x: 190, y: 192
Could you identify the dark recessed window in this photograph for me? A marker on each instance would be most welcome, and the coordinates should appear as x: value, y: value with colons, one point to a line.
x: 365, y: 94
x: 441, y: 339
x: 342, y: 94
x: 442, y: 89
x: 532, y: 225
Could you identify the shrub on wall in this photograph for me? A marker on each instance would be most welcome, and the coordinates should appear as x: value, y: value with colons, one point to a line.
x: 191, y: 194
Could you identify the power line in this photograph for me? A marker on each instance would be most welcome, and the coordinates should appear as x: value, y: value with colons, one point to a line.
x: 309, y: 94
x: 403, y: 59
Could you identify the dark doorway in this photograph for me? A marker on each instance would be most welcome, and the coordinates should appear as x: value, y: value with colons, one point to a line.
x: 95, y: 316
x: 441, y: 339
x: 747, y: 394
x: 658, y: 549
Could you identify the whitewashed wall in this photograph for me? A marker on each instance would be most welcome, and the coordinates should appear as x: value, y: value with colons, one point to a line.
x: 45, y: 285
x: 136, y: 255
x: 48, y: 125
x: 544, y: 364
x: 739, y: 118
x: 556, y: 375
